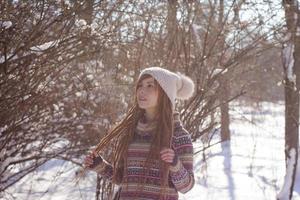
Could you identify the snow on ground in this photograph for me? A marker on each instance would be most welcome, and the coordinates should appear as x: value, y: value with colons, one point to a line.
x: 250, y: 166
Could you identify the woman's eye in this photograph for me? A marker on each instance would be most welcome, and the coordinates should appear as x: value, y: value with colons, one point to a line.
x: 150, y: 85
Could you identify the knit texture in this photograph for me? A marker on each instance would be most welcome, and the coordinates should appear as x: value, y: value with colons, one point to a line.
x: 181, y: 178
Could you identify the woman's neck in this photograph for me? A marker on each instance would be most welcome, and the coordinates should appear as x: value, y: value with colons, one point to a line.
x: 149, y: 116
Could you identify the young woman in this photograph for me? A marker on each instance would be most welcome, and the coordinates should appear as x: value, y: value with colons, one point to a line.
x: 152, y: 156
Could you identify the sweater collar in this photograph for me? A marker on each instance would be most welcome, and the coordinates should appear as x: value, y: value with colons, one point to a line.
x: 144, y: 125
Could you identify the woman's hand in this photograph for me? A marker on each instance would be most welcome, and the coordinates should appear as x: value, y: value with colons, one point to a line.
x: 168, y: 155
x: 89, y: 160
x: 92, y: 160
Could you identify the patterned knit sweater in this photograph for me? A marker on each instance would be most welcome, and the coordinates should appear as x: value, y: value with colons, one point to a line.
x: 181, y: 177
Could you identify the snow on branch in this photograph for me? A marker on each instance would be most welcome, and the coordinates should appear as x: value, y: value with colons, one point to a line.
x: 196, y: 30
x: 6, y: 24
x: 44, y: 47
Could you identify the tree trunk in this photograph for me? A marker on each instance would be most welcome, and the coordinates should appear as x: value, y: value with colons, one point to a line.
x: 171, y: 33
x: 224, y: 96
x: 224, y: 84
x: 291, y: 64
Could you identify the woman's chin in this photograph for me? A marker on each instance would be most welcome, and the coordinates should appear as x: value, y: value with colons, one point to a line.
x: 147, y: 107
x: 142, y: 106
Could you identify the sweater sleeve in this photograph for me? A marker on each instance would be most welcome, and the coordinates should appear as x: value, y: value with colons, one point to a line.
x: 106, y: 171
x: 181, y: 173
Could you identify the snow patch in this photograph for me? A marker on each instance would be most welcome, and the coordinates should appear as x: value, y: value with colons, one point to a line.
x: 298, y: 31
x: 285, y: 190
x: 288, y: 59
x: 90, y: 76
x: 44, y: 47
x: 78, y: 94
x: 219, y: 71
x: 196, y: 29
x: 56, y: 107
x: 251, y: 167
x: 2, y: 129
x: 81, y: 22
x: 53, y: 163
x: 6, y: 24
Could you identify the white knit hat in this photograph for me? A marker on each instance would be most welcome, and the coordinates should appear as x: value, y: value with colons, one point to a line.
x: 175, y: 85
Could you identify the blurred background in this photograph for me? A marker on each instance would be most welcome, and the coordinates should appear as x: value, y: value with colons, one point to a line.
x: 68, y: 69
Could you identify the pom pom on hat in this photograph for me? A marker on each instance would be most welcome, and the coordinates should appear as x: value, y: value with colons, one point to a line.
x: 175, y: 85
x: 185, y: 88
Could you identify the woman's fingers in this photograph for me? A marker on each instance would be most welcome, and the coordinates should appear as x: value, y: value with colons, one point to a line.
x: 92, y: 160
x: 167, y: 150
x: 89, y: 159
x: 88, y: 162
x: 167, y: 155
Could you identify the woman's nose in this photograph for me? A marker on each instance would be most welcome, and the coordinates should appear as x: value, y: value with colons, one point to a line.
x: 142, y: 90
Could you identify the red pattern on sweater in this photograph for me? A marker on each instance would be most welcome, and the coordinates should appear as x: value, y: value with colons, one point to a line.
x: 181, y: 177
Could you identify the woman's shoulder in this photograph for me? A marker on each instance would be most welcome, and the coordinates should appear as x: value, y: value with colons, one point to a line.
x: 180, y: 133
x: 181, y: 137
x: 182, y: 141
x: 179, y: 129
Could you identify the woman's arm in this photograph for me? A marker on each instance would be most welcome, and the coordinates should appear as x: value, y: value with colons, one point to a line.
x: 96, y: 163
x: 181, y: 170
x: 105, y: 169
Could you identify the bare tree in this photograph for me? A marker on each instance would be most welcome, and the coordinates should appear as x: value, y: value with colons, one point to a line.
x: 291, y: 65
x: 224, y: 83
x: 50, y: 72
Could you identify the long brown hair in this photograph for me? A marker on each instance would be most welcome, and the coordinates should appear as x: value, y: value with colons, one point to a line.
x: 123, y: 133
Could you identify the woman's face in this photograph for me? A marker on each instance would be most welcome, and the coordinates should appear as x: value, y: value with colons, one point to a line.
x: 147, y: 93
